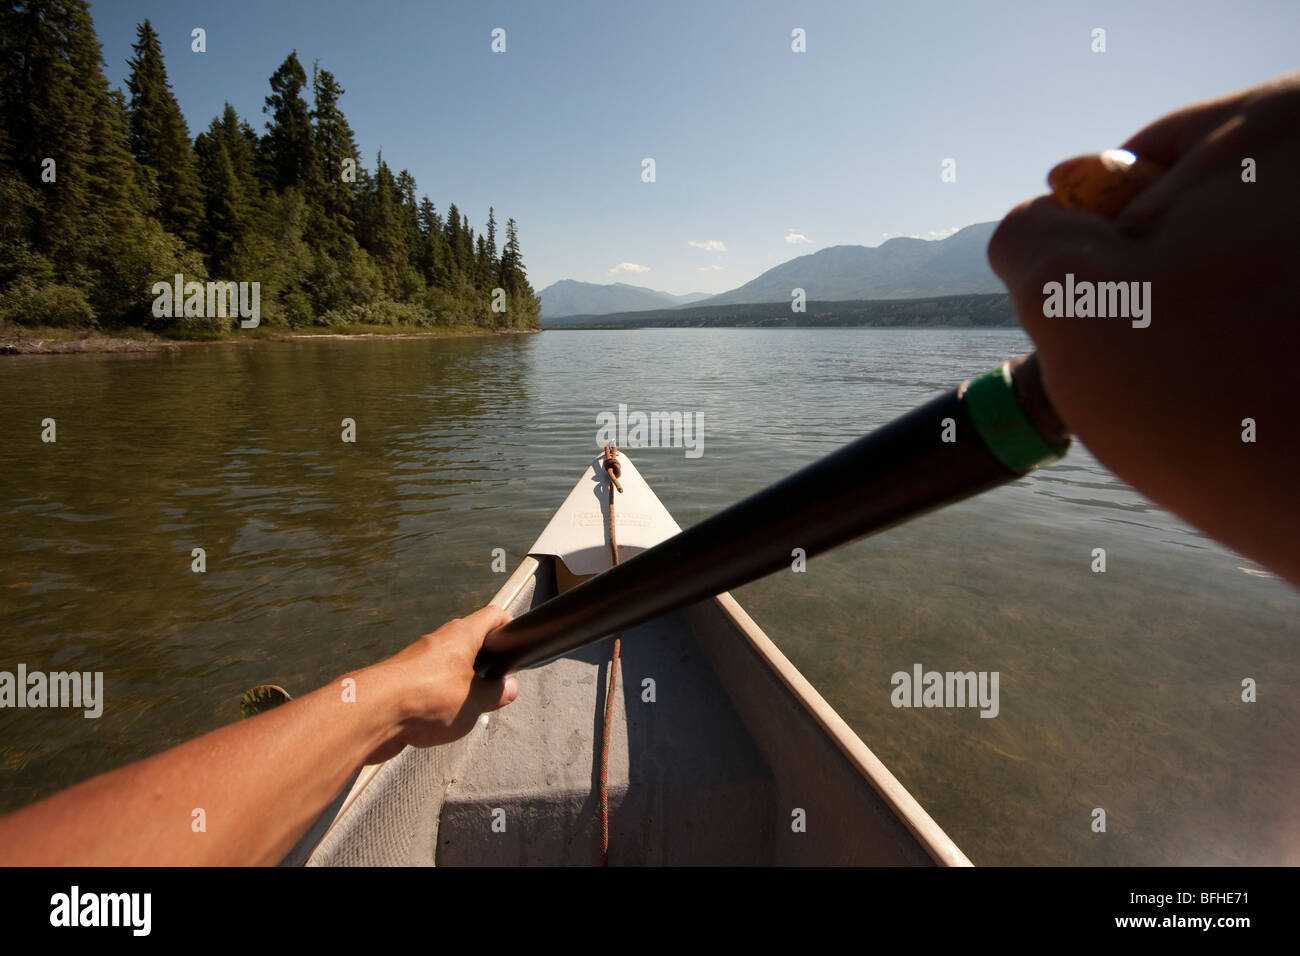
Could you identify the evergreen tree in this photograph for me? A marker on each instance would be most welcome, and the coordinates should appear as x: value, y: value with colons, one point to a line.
x: 19, y: 203
x: 482, y: 265
x: 45, y: 50
x: 466, y: 252
x: 512, y: 267
x: 430, y: 249
x: 226, y: 218
x: 383, y: 235
x: 524, y: 309
x: 227, y: 168
x: 126, y: 201
x: 335, y: 144
x: 160, y: 139
x: 92, y: 247
x: 455, y: 265
x: 127, y: 251
x: 410, y: 213
x: 289, y: 145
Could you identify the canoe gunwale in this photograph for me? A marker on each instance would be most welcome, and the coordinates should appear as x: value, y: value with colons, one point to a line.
x: 523, y: 573
x: 871, y: 768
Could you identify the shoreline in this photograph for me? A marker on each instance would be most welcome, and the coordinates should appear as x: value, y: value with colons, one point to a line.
x: 17, y: 341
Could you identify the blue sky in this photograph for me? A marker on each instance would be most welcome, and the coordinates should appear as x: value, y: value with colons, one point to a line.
x: 768, y: 152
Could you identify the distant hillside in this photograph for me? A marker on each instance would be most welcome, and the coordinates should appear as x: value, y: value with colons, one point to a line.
x: 955, y: 311
x: 570, y: 297
x: 899, y: 268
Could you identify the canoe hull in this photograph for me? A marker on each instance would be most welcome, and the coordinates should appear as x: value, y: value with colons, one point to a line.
x: 723, y: 753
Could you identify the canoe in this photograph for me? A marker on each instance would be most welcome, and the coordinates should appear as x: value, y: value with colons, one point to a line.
x: 722, y: 753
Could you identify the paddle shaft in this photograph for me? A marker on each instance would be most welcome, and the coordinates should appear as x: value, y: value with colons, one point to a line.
x: 948, y: 449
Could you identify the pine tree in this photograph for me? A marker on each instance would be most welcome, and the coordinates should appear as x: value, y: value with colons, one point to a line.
x: 511, y: 262
x: 92, y: 233
x: 455, y: 265
x: 410, y: 214
x: 335, y: 144
x: 128, y: 251
x: 160, y: 140
x: 225, y: 219
x: 42, y: 99
x: 227, y: 167
x: 524, y: 308
x: 466, y: 252
x: 482, y: 265
x: 382, y: 234
x: 19, y: 202
x: 242, y: 144
x: 289, y: 145
x: 432, y: 255
x: 132, y: 196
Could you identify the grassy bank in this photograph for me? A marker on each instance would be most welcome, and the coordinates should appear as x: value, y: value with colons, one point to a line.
x: 31, y: 340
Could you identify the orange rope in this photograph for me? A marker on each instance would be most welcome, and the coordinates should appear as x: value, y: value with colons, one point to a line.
x: 612, y: 470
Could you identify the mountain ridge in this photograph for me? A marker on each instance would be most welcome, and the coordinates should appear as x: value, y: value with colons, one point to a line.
x: 903, y: 267
x: 573, y: 297
x: 899, y: 268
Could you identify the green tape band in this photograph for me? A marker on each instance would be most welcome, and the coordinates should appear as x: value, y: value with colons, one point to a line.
x: 1000, y: 420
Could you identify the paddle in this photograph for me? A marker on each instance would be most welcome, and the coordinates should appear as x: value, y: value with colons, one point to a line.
x: 985, y: 433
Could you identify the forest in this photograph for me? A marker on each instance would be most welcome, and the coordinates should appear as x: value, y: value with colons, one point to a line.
x: 103, y: 194
x: 979, y: 311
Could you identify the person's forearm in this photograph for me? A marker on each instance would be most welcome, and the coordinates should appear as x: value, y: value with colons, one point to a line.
x: 259, y: 784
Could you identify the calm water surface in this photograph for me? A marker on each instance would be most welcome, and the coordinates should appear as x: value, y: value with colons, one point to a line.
x: 1118, y: 690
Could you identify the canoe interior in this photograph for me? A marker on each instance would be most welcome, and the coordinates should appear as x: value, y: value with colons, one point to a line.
x: 711, y: 772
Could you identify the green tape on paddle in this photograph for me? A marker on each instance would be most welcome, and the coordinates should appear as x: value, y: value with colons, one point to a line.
x: 1000, y: 420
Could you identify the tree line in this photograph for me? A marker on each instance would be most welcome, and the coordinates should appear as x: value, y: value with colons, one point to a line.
x: 103, y: 194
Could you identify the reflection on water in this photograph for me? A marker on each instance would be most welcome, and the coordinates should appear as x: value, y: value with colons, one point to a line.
x: 1118, y: 690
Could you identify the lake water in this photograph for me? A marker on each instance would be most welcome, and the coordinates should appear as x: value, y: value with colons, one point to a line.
x: 1119, y: 691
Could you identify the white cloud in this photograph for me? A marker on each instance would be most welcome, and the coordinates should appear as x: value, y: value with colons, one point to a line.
x: 708, y: 245
x: 628, y: 267
x: 794, y: 238
x: 709, y: 268
x: 934, y: 234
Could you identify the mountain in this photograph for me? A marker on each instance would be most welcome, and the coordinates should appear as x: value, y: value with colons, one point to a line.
x: 899, y: 268
x: 570, y: 297
x: 690, y: 297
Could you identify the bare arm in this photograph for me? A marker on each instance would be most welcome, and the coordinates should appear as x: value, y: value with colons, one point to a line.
x: 260, y: 783
x: 1164, y: 407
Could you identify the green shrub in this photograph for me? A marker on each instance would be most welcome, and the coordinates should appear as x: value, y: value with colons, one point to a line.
x: 27, y: 302
x: 380, y: 312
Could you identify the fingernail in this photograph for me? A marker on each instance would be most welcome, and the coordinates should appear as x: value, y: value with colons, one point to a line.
x: 512, y: 689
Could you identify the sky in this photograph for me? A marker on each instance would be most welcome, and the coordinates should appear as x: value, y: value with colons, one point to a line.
x: 760, y: 153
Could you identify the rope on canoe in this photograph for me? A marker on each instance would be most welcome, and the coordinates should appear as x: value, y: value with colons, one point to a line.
x: 613, y: 470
